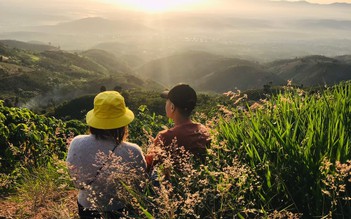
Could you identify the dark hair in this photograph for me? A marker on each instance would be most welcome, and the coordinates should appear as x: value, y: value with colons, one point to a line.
x: 119, y: 134
x: 182, y: 96
x: 184, y: 112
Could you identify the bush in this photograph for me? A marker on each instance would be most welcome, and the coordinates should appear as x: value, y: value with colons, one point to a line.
x: 28, y: 140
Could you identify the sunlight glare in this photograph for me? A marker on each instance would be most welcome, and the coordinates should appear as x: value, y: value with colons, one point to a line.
x: 157, y: 5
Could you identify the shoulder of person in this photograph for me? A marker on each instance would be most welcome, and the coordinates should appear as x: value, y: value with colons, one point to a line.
x: 203, y: 129
x: 200, y: 125
x: 165, y: 133
x: 128, y: 148
x: 81, y: 138
x: 130, y: 145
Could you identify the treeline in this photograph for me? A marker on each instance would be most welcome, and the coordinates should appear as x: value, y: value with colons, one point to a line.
x: 134, y: 98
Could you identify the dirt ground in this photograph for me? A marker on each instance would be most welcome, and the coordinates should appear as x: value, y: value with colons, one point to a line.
x: 65, y: 207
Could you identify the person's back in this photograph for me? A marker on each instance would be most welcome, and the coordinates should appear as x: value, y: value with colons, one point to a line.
x: 97, y: 161
x: 87, y: 155
x: 194, y: 137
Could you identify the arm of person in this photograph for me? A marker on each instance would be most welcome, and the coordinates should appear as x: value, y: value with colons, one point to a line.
x: 152, y: 153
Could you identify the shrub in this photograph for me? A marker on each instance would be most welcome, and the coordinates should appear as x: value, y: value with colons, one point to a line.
x: 27, y: 141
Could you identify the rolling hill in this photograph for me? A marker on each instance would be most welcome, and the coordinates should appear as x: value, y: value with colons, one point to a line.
x: 53, y: 76
x: 36, y: 47
x: 50, y: 77
x: 108, y: 60
x: 240, y: 76
x: 182, y: 67
x: 313, y: 70
x: 208, y: 72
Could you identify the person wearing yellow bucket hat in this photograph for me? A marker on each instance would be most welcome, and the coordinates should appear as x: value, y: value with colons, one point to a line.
x: 93, y: 158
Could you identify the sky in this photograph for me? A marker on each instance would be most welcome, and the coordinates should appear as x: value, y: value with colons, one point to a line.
x: 143, y: 5
x: 17, y: 13
x: 162, y: 5
x: 17, y: 16
x: 327, y: 1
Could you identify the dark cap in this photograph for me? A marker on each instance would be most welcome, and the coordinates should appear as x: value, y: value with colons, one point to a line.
x: 182, y: 96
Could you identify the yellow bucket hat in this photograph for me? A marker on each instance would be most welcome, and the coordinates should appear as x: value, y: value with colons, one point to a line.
x: 109, y: 111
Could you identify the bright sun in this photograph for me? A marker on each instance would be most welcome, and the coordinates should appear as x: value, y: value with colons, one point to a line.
x: 156, y: 5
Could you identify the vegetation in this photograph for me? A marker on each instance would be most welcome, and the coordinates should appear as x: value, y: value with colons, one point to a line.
x: 294, y: 139
x: 287, y: 156
x: 46, y: 78
x: 276, y: 152
x: 30, y: 141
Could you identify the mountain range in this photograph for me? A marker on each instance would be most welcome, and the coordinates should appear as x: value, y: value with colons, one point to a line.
x: 210, y: 72
x: 55, y: 75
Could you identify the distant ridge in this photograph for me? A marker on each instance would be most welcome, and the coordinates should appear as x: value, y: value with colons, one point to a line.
x: 341, y: 4
x: 344, y: 58
x: 325, y: 23
x: 208, y: 72
x: 313, y: 70
x: 94, y: 25
x: 28, y: 46
x: 242, y: 77
x: 107, y: 60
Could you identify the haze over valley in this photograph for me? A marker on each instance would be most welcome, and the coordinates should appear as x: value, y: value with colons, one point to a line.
x: 261, y: 30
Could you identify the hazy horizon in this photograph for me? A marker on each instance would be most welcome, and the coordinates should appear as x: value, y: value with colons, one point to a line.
x: 258, y: 29
x: 41, y: 12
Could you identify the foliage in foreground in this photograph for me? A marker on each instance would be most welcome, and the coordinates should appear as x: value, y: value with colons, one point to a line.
x: 42, y: 192
x: 28, y: 140
x: 285, y: 157
x: 300, y: 146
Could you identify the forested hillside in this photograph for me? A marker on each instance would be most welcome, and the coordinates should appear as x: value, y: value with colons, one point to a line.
x: 38, y: 79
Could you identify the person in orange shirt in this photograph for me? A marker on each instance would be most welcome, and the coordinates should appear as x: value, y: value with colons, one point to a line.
x: 194, y: 137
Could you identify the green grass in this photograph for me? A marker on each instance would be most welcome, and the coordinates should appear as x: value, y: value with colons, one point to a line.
x: 289, y: 140
x: 43, y: 192
x: 34, y: 58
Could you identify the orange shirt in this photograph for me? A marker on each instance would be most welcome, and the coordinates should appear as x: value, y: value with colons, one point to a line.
x: 194, y: 137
